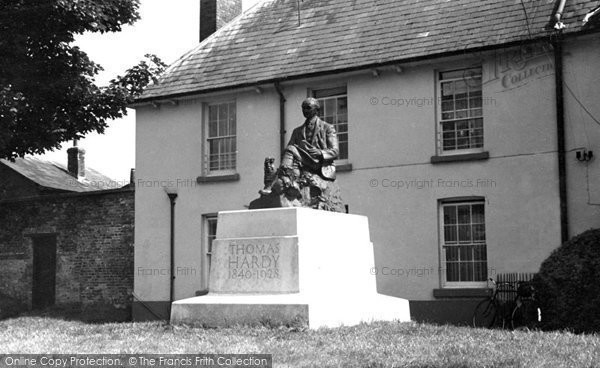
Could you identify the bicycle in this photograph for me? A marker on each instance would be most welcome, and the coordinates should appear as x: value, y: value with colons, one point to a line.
x: 522, y: 312
x: 527, y: 314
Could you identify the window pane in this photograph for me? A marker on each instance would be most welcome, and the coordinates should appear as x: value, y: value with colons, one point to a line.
x: 343, y: 149
x: 452, y: 254
x: 462, y: 104
x: 479, y: 252
x: 478, y: 233
x: 223, y: 123
x: 330, y: 107
x: 342, y: 106
x: 212, y: 128
x: 480, y: 271
x: 464, y: 233
x: 454, y: 74
x: 466, y: 271
x: 452, y: 273
x: 447, y: 105
x: 460, y: 89
x: 232, y: 119
x: 478, y: 214
x: 464, y: 214
x: 213, y: 113
x: 448, y: 90
x: 475, y: 102
x: 450, y: 234
x: 450, y: 215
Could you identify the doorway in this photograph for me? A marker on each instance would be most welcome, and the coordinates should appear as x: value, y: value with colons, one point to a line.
x: 44, y: 271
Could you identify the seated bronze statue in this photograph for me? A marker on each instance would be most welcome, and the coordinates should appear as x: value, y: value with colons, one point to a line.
x: 307, y: 172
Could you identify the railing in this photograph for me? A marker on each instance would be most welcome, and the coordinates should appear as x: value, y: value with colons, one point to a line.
x: 508, y: 293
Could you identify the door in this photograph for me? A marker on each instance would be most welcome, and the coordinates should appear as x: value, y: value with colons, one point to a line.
x: 44, y: 271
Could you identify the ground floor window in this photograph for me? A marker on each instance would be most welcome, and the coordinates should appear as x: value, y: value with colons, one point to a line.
x: 210, y: 233
x: 463, y: 243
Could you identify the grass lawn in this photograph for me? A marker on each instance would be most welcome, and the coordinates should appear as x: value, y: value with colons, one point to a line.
x: 368, y: 345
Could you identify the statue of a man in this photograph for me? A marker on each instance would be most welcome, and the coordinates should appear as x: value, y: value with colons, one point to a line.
x: 307, y: 167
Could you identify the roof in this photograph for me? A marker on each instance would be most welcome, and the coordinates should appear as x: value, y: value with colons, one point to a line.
x: 55, y: 176
x: 265, y: 43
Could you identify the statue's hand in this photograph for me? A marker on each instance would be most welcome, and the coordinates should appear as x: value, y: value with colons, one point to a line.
x: 315, y: 152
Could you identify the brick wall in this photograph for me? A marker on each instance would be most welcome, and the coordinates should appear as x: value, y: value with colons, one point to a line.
x: 94, y: 262
x: 214, y: 14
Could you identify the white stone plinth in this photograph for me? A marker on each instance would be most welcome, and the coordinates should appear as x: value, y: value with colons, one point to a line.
x: 285, y: 265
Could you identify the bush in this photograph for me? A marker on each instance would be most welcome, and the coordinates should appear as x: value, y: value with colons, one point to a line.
x: 568, y: 285
x: 10, y: 307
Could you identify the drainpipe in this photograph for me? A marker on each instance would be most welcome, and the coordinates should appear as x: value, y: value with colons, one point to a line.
x: 172, y: 197
x: 560, y: 121
x: 281, y: 117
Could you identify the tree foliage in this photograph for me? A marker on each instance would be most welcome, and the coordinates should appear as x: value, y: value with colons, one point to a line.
x: 48, y: 93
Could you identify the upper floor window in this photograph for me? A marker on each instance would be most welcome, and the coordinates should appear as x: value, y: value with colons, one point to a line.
x: 464, y: 250
x: 334, y: 110
x: 221, y: 137
x: 461, y: 113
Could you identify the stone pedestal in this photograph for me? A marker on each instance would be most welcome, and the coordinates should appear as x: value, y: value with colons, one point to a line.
x: 290, y: 266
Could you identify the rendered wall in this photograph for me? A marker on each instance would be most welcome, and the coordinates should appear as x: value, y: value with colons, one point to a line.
x: 582, y: 92
x: 391, y: 142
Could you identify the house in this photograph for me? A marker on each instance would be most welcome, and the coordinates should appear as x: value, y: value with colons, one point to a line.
x: 66, y: 238
x: 31, y: 176
x: 467, y: 132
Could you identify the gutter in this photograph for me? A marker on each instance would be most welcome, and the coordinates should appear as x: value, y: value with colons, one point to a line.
x: 281, y: 117
x: 251, y: 85
x: 169, y: 98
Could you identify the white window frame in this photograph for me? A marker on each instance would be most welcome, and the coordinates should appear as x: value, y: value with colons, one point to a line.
x: 440, y: 121
x: 443, y: 269
x: 336, y: 92
x: 206, y: 248
x: 207, y: 138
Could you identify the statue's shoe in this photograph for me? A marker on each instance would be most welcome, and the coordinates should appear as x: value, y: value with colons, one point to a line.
x: 265, y: 192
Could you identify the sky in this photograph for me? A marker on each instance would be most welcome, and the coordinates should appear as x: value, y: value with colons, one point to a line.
x: 167, y: 28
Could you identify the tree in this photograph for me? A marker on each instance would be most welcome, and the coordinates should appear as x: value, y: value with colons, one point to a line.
x: 47, y: 90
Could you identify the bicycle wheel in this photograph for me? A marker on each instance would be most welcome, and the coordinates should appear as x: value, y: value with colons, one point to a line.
x: 484, y: 314
x: 526, y: 315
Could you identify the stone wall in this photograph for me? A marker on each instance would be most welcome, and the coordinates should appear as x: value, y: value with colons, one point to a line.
x: 94, y: 241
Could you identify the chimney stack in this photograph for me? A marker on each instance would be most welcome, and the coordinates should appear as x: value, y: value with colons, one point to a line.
x: 76, y: 161
x: 214, y: 14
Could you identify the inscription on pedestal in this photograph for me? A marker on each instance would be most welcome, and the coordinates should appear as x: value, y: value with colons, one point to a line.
x: 255, y: 265
x: 253, y: 259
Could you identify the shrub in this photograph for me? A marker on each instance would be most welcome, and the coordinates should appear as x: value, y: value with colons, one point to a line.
x: 568, y: 285
x: 10, y: 307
